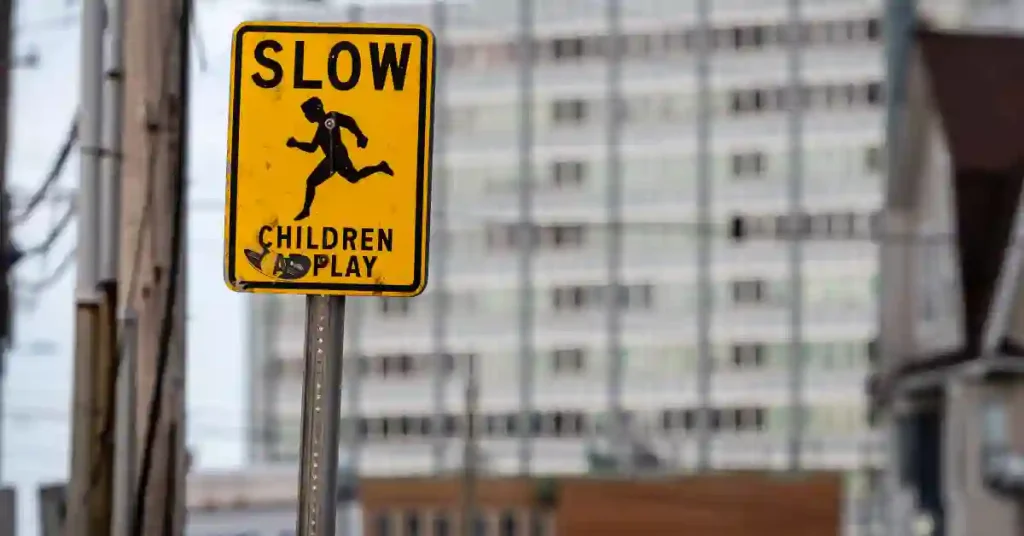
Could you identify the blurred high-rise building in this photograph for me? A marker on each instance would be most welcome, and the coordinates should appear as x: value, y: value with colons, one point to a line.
x: 717, y: 158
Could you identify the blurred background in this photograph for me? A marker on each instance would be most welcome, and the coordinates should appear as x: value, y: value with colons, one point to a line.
x: 734, y: 276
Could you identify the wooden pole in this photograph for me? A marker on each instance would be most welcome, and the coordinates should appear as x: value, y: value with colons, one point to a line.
x: 152, y: 239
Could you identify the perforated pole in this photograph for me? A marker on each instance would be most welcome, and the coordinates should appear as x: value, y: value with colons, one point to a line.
x: 321, y: 416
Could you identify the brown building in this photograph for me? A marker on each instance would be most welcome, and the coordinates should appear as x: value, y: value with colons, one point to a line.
x: 728, y: 504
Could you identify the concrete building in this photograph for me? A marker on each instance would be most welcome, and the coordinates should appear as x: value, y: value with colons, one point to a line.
x: 725, y: 327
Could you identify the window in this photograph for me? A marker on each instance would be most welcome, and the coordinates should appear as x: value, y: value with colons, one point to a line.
x: 994, y: 415
x: 750, y: 164
x: 749, y: 37
x: 749, y: 291
x: 751, y: 419
x: 743, y: 101
x: 874, y: 93
x: 565, y: 49
x: 575, y: 297
x: 394, y: 306
x: 511, y: 423
x: 873, y: 162
x: 636, y: 296
x: 382, y: 525
x: 741, y: 227
x: 480, y: 526
x: 536, y: 423
x: 403, y: 365
x: 874, y: 29
x: 390, y: 366
x: 639, y: 296
x: 567, y: 175
x: 442, y: 527
x: 573, y: 111
x: 504, y: 236
x: 748, y: 355
x: 412, y: 524
x: 638, y: 46
x: 494, y: 425
x: 507, y: 525
x: 568, y: 361
x: 561, y: 236
x: 538, y: 524
x: 563, y: 423
x: 446, y: 362
x: 549, y: 236
x: 840, y: 32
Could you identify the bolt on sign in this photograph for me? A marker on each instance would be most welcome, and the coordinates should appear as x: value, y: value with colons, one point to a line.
x: 329, y: 157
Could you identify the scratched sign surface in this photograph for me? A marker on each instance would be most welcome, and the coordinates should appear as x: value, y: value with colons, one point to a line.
x: 329, y: 156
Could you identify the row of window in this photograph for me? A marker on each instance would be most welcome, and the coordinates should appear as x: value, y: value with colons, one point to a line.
x: 670, y: 107
x: 574, y: 236
x: 576, y: 361
x: 674, y: 175
x: 578, y: 174
x: 820, y: 226
x: 563, y: 298
x: 583, y: 424
x: 668, y: 43
x: 740, y: 293
x: 440, y: 523
x: 812, y: 97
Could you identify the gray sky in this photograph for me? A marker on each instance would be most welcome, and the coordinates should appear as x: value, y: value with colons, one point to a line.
x: 38, y: 386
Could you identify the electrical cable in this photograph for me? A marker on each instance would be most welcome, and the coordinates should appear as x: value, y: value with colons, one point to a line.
x: 46, y: 245
x: 51, y: 178
x: 197, y: 37
x: 40, y: 286
x: 167, y: 321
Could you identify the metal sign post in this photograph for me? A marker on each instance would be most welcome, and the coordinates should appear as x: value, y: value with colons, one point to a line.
x: 321, y: 415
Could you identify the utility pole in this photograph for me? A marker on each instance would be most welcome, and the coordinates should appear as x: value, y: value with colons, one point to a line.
x: 8, y: 254
x: 89, y: 512
x: 152, y: 256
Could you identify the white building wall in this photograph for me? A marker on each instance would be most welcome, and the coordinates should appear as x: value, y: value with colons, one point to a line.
x: 843, y: 71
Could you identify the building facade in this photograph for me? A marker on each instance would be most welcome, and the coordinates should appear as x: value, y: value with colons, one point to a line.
x: 649, y: 232
x: 260, y: 503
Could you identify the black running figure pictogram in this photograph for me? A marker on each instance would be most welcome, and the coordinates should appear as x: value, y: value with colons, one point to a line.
x: 336, y: 160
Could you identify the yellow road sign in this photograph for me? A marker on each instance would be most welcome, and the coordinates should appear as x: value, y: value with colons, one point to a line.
x: 329, y: 156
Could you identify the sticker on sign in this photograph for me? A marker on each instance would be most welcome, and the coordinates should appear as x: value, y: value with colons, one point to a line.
x: 329, y: 155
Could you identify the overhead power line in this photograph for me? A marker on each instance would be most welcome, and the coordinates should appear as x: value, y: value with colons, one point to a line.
x: 51, y: 238
x: 51, y: 178
x: 44, y: 284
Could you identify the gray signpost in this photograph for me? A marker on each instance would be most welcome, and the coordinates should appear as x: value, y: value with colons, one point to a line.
x: 321, y: 415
